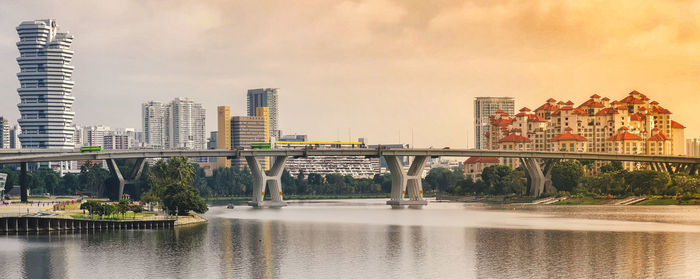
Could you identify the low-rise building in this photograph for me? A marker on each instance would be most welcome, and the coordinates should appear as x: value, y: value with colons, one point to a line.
x: 474, y: 166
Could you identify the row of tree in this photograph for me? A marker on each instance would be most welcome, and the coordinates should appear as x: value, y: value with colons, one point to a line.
x: 91, y: 179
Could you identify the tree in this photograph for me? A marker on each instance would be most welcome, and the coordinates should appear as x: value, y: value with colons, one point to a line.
x: 91, y: 206
x: 107, y: 209
x: 442, y: 179
x: 613, y: 166
x: 566, y: 175
x: 647, y: 182
x: 123, y: 207
x: 173, y: 184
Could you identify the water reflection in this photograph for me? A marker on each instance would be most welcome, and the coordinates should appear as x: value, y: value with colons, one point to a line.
x: 248, y: 244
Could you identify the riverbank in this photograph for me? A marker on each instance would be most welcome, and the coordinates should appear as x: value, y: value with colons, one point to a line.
x: 193, y: 218
x: 577, y: 200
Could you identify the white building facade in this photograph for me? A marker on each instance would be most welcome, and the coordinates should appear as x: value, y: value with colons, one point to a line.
x: 484, y: 107
x: 45, y: 85
x: 179, y: 124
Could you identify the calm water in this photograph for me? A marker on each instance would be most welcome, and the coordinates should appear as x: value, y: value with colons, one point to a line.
x: 365, y: 239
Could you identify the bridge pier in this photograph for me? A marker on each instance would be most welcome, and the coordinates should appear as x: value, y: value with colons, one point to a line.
x: 540, y: 181
x: 131, y: 179
x: 261, y: 181
x: 403, y: 182
x: 23, y: 187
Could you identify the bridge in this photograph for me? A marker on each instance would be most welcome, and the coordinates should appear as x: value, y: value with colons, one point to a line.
x: 537, y: 165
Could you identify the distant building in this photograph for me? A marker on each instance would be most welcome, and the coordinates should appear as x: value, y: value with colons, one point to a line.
x: 46, y: 83
x: 212, y: 140
x: 294, y: 138
x: 484, y: 107
x: 179, y: 124
x: 14, y: 137
x: 692, y: 147
x: 96, y: 135
x: 474, y: 166
x: 186, y: 124
x: 223, y: 138
x: 265, y: 97
x: 154, y: 124
x: 116, y: 142
x: 246, y: 130
x: 4, y: 133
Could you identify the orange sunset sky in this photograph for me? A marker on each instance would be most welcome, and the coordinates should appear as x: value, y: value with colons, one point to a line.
x: 373, y: 69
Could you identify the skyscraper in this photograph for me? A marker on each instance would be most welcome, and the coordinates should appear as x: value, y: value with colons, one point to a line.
x: 186, y: 124
x: 485, y: 107
x: 223, y: 140
x: 265, y: 97
x: 45, y: 85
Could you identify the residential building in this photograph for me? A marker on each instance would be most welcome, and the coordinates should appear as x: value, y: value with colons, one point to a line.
x: 179, y: 124
x: 46, y: 83
x: 485, y: 107
x: 632, y: 125
x: 95, y: 135
x: 223, y: 140
x: 265, y: 97
x: 116, y: 142
x: 154, y: 124
x: 4, y: 133
x: 474, y: 166
x: 186, y: 124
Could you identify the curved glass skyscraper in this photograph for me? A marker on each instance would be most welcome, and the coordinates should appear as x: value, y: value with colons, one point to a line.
x: 45, y: 85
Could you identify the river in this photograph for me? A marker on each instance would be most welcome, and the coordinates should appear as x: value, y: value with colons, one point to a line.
x: 367, y: 239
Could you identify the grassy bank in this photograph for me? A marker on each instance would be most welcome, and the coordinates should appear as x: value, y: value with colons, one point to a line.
x: 582, y: 201
x: 669, y: 201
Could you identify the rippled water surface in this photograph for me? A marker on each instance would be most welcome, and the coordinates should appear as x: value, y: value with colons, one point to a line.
x: 366, y: 239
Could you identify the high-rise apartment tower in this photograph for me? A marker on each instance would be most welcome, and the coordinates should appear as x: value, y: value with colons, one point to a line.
x: 485, y: 107
x: 46, y: 83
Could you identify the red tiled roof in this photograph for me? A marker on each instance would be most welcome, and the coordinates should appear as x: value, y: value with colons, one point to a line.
x: 566, y: 108
x: 592, y: 104
x: 550, y: 100
x: 595, y: 96
x: 634, y: 92
x: 637, y: 117
x: 568, y: 129
x: 606, y: 99
x: 615, y: 102
x: 642, y: 109
x: 570, y: 103
x: 546, y: 107
x: 524, y: 109
x: 660, y: 110
x: 625, y: 136
x: 514, y: 138
x: 489, y: 160
x: 535, y: 118
x: 659, y: 137
x: 521, y: 114
x: 654, y: 103
x: 502, y: 122
x: 621, y: 107
x: 499, y: 111
x: 568, y: 136
x: 560, y: 103
x: 675, y: 124
x: 579, y: 111
x: 632, y: 100
x: 606, y: 111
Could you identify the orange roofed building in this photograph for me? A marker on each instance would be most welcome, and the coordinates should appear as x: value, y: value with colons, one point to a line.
x: 597, y: 125
x: 474, y: 166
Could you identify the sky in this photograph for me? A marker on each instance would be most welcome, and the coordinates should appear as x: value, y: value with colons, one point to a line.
x: 386, y: 70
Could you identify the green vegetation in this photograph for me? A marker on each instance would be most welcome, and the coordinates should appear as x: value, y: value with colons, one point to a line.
x: 173, y: 187
x: 111, y: 210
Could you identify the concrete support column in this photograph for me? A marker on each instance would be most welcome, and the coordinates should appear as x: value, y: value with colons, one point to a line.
x: 133, y: 176
x: 537, y: 177
x: 23, y: 182
x: 262, y: 180
x: 403, y: 182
